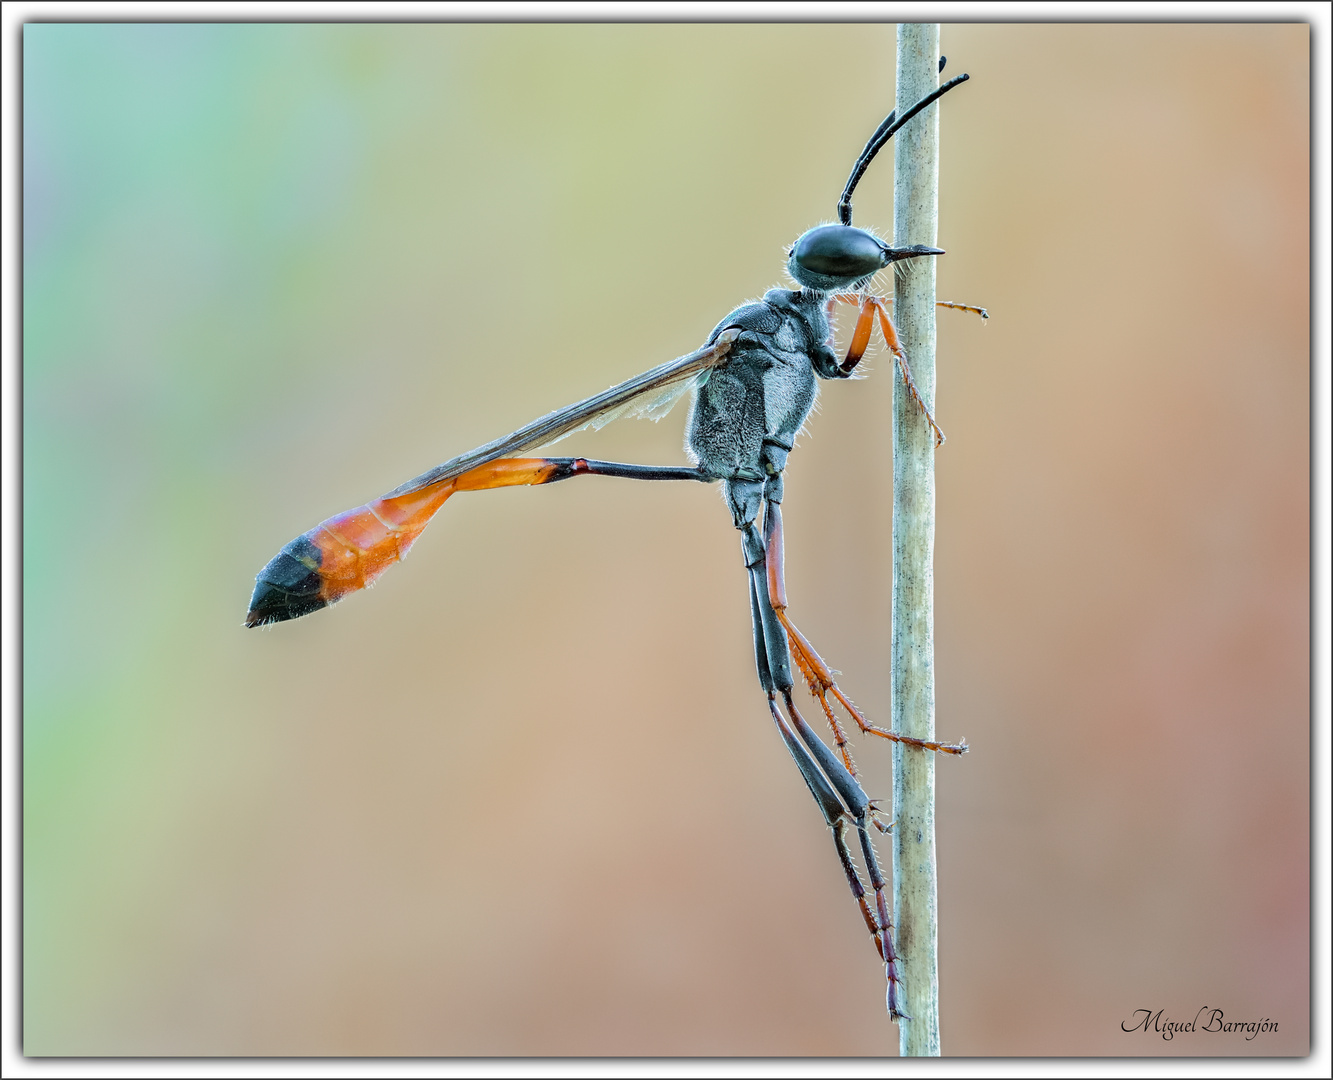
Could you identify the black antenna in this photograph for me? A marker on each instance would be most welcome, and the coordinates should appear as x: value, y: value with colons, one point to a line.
x: 882, y: 135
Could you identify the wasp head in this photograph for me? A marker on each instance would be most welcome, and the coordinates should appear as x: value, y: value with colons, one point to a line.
x: 831, y: 258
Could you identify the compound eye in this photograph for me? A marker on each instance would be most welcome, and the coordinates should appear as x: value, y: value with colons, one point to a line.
x: 835, y: 256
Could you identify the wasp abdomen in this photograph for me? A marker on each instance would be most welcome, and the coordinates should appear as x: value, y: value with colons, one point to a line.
x: 342, y: 555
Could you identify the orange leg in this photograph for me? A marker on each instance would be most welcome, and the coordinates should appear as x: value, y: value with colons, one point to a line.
x: 818, y: 675
x: 855, y: 298
x: 963, y: 307
x: 800, y: 650
x: 861, y: 339
x: 865, y: 322
x: 891, y: 339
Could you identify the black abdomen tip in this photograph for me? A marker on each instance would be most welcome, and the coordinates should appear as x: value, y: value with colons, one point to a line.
x: 289, y: 586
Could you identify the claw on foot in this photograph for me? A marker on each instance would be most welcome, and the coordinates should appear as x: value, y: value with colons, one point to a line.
x: 876, y: 814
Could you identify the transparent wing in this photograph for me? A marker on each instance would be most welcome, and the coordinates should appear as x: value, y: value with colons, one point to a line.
x: 651, y: 394
x: 648, y: 406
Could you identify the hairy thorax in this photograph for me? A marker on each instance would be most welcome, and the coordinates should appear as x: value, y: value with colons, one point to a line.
x: 766, y: 388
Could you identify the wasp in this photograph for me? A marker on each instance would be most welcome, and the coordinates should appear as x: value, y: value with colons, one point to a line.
x: 754, y: 382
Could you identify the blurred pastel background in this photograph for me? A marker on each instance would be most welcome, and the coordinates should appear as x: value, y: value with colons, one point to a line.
x: 524, y: 796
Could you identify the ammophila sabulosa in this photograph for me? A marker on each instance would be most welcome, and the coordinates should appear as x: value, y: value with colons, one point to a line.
x: 754, y: 384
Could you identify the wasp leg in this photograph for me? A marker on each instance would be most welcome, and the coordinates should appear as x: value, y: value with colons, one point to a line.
x: 776, y: 588
x: 836, y: 818
x: 891, y: 339
x: 865, y: 322
x: 963, y: 307
x: 818, y: 675
x: 855, y: 298
x: 837, y: 792
x: 875, y: 305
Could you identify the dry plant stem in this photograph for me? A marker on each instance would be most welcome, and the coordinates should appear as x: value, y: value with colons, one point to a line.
x: 916, y: 199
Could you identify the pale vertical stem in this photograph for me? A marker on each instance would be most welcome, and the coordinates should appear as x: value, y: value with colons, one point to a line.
x: 916, y: 203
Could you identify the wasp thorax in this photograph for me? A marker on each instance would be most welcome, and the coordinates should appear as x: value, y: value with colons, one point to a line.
x: 830, y: 257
